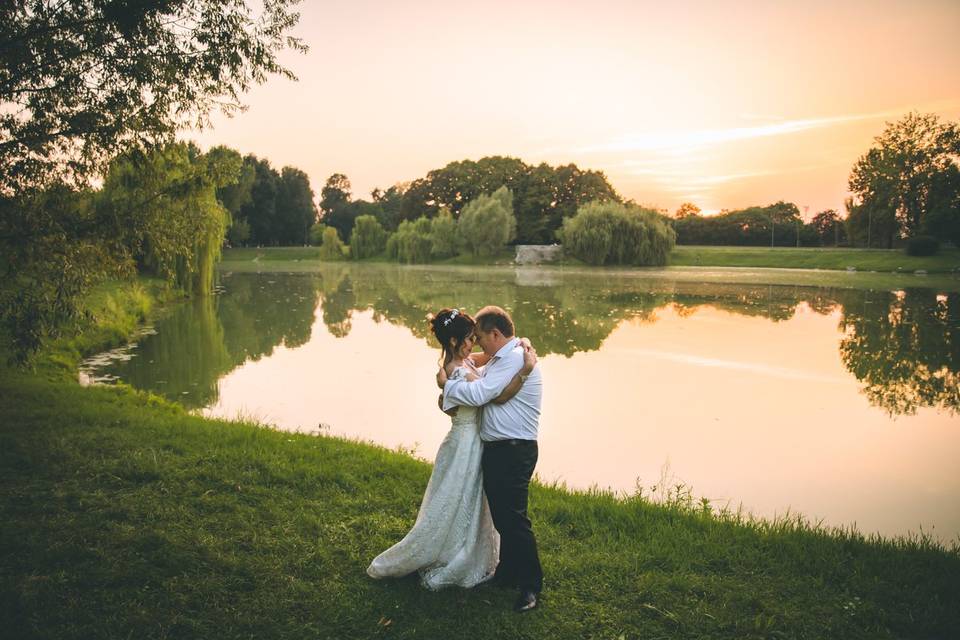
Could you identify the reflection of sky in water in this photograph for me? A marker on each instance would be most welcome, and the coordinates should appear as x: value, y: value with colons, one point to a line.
x: 742, y: 408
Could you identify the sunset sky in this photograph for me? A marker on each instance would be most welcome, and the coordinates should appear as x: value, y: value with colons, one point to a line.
x: 722, y: 104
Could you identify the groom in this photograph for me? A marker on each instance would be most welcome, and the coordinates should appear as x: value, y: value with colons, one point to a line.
x: 509, y: 434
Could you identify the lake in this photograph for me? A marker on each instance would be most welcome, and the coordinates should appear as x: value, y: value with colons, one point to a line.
x: 832, y: 402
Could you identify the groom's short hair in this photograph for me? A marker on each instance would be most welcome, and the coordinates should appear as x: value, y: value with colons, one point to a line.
x: 491, y: 316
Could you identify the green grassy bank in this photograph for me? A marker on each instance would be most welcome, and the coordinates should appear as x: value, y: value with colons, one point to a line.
x: 123, y: 516
x: 880, y: 260
x: 946, y: 260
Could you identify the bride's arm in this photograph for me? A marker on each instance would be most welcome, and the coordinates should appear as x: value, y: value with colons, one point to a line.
x: 529, y: 362
x: 479, y: 359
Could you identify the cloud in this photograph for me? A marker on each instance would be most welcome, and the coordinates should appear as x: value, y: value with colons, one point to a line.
x: 680, y: 141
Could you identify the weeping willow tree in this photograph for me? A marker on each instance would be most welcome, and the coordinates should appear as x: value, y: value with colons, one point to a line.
x: 164, y: 205
x: 612, y: 233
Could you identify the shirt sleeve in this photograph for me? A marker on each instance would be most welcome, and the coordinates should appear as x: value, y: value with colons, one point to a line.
x: 477, y: 393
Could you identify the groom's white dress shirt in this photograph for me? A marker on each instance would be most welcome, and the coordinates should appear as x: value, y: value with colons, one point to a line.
x: 518, y: 417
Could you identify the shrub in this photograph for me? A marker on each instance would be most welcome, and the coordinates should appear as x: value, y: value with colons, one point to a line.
x: 331, y: 247
x: 316, y: 233
x: 412, y: 242
x: 443, y: 233
x: 922, y: 246
x: 368, y: 237
x: 487, y: 223
x: 612, y: 233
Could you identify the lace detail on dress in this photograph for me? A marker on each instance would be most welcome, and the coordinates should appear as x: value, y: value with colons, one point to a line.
x: 453, y: 541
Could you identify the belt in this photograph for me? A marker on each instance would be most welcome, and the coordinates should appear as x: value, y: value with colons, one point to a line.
x: 492, y: 444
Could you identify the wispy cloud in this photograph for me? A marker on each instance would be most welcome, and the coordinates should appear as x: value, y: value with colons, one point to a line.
x: 684, y: 140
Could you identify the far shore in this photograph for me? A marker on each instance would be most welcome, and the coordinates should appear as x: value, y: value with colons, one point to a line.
x: 824, y: 267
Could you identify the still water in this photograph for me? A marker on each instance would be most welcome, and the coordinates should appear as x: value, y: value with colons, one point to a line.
x: 838, y: 404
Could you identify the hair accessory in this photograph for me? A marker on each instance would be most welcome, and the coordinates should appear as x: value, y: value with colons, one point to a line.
x: 449, y: 319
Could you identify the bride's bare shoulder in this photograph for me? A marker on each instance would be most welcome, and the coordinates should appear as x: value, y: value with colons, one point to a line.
x: 451, y: 366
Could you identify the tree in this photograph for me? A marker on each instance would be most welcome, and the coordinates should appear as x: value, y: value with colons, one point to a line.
x: 167, y: 214
x: 368, y: 237
x: 412, y: 242
x: 295, y: 210
x: 612, y: 233
x: 260, y: 211
x: 389, y: 204
x: 828, y: 228
x: 686, y: 210
x: 331, y: 248
x: 83, y: 80
x: 534, y: 204
x: 871, y: 224
x: 911, y: 171
x: 235, y: 195
x: 487, y: 223
x: 335, y: 210
x: 443, y: 235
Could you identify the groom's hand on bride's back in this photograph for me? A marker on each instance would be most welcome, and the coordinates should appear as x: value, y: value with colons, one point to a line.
x: 451, y: 412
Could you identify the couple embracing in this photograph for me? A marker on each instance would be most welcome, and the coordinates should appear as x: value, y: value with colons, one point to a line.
x: 472, y: 526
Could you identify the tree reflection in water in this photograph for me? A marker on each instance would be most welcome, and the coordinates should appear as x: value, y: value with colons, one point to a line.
x: 900, y: 345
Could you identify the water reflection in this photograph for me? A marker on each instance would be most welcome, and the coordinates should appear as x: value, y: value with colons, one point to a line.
x: 902, y: 346
x: 199, y: 342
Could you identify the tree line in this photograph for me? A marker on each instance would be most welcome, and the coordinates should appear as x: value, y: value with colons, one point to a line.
x: 543, y: 196
x: 905, y: 192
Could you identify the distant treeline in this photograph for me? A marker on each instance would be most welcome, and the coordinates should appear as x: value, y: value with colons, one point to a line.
x: 543, y: 196
x: 778, y: 225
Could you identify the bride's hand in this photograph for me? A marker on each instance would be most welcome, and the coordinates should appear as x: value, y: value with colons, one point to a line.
x: 529, y: 358
x: 441, y: 377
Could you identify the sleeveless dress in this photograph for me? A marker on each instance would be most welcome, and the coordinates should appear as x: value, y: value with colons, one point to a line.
x: 453, y: 541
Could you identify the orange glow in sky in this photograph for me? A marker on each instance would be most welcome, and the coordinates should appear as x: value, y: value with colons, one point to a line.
x: 725, y: 105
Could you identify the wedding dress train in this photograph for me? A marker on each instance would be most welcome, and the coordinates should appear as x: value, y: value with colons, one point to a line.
x: 453, y: 541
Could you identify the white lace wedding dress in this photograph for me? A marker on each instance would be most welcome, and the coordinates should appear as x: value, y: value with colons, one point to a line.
x: 452, y: 542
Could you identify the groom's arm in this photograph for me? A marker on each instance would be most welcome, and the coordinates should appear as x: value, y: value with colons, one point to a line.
x: 479, y: 392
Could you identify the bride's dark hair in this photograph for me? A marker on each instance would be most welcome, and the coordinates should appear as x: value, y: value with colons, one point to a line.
x: 451, y: 323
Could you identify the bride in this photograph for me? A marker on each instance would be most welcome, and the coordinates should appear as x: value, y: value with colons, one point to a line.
x: 453, y: 541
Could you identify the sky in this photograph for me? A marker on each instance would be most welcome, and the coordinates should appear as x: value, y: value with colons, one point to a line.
x: 723, y: 104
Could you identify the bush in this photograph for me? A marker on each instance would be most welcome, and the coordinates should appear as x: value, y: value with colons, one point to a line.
x: 612, y: 233
x: 316, y: 233
x: 443, y: 233
x: 412, y: 242
x: 331, y: 247
x: 487, y: 223
x: 922, y: 246
x: 368, y: 237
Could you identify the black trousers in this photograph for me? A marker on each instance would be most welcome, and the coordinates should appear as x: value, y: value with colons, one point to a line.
x: 507, y: 469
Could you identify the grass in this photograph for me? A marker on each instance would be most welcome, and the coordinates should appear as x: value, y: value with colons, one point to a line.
x: 121, y: 515
x: 947, y: 261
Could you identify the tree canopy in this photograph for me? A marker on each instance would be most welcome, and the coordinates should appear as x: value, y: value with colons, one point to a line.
x: 83, y: 80
x: 909, y: 182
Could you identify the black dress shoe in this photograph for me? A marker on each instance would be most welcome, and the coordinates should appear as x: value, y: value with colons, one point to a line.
x: 526, y: 601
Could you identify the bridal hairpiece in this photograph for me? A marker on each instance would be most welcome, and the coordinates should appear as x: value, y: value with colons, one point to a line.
x: 449, y: 319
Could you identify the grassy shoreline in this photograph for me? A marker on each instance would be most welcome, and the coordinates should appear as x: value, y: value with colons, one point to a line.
x: 123, y: 515
x: 947, y: 261
x: 303, y: 260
